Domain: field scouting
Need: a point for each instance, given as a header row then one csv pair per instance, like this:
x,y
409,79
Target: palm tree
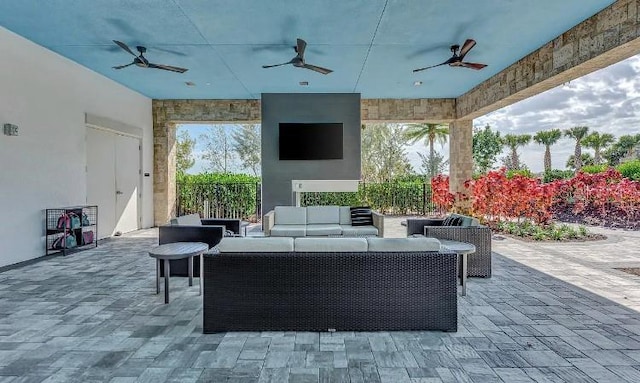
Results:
x,y
577,133
598,142
513,142
430,133
547,138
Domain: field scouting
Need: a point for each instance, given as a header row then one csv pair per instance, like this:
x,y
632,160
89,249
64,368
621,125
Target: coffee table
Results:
x,y
463,249
172,251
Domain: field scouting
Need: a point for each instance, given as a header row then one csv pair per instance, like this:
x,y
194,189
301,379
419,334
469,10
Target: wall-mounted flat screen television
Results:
x,y
317,141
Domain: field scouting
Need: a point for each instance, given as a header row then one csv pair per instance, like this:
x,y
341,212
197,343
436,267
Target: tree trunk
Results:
x,y
432,169
515,161
597,157
577,156
547,159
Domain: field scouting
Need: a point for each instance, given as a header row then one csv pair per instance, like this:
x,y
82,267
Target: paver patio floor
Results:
x,y
94,316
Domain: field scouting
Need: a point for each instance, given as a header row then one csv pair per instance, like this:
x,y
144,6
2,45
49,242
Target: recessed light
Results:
x,y
417,83
208,83
304,83
190,83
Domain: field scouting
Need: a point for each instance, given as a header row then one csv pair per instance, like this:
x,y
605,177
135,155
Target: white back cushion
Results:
x,y
404,244
345,215
189,220
323,214
290,215
329,245
256,244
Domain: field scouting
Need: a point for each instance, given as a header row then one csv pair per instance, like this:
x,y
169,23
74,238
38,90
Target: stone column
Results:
x,y
460,159
164,171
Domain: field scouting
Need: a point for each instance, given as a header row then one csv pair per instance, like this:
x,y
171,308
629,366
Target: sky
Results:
x,y
607,101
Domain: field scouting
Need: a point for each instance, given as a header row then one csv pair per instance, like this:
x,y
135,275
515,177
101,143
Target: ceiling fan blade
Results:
x,y
475,66
167,67
466,47
123,66
318,69
432,66
275,65
301,46
125,47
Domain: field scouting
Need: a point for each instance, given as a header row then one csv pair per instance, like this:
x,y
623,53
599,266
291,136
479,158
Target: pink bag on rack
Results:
x,y
64,221
87,237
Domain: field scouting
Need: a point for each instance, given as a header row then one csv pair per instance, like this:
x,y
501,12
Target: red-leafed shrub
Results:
x,y
441,196
603,198
498,198
596,197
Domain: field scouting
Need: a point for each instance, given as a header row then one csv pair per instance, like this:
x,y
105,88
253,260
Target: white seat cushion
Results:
x,y
359,231
289,230
345,215
404,244
290,215
188,220
323,214
255,244
328,245
324,229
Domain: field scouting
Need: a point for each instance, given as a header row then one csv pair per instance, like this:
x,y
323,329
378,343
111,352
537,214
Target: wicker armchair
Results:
x,y
480,262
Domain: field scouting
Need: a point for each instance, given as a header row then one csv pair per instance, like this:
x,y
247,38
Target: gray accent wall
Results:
x,y
306,108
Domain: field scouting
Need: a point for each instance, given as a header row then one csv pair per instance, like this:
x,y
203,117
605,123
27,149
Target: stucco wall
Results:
x,y
47,96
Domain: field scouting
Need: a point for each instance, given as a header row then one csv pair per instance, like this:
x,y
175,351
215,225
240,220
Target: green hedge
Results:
x,y
227,195
556,174
389,198
237,196
630,169
594,169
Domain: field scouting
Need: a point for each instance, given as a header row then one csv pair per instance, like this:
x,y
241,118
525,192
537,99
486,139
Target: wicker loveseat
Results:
x,y
326,284
470,231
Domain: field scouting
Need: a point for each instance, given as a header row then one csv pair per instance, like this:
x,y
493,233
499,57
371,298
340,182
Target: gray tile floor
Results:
x,y
94,317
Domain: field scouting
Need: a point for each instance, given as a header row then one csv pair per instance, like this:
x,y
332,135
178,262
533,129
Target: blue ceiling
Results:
x,y
372,45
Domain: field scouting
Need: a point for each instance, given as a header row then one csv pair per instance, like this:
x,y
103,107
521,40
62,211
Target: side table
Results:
x,y
463,249
172,251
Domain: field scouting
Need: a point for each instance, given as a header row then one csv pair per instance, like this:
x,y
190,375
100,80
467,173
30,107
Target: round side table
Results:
x,y
172,251
463,249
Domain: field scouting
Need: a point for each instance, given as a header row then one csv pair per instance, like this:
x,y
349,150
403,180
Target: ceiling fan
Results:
x,y
142,61
456,59
298,60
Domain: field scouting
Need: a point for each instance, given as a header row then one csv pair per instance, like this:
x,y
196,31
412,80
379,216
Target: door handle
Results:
x,y
118,192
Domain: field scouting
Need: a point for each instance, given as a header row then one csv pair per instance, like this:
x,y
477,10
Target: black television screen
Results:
x,y
319,141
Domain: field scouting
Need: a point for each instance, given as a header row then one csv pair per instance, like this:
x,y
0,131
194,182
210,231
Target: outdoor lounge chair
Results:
x,y
471,231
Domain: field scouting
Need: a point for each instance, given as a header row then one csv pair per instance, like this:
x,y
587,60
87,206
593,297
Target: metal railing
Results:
x,y
243,200
220,200
391,198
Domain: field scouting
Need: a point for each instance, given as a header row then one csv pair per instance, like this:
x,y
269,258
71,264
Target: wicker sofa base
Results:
x,y
298,291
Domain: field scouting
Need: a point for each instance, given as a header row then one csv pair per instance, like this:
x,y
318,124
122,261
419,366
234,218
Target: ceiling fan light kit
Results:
x,y
298,60
142,61
457,57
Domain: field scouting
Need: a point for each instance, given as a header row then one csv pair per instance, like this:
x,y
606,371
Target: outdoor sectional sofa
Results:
x,y
329,284
292,221
470,230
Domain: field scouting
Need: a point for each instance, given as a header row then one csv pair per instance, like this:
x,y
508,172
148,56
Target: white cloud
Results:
x,y
607,101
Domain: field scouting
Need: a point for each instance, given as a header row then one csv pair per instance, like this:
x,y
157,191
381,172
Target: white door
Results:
x,y
113,163
101,175
127,183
